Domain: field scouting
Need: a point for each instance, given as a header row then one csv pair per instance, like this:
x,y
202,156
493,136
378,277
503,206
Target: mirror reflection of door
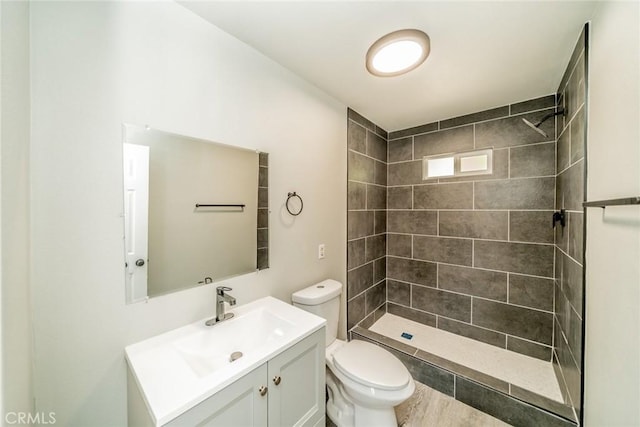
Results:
x,y
136,219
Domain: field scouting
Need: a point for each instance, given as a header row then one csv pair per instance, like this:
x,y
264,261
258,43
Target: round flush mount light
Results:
x,y
398,53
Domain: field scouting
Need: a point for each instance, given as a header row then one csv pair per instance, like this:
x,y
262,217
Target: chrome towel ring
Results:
x,y
289,196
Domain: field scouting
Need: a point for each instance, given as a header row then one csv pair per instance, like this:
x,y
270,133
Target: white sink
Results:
x,y
179,369
209,350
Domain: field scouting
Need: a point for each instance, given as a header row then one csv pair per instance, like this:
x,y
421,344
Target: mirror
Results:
x,y
195,212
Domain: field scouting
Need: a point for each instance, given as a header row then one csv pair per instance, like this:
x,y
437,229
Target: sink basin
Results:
x,y
177,370
207,351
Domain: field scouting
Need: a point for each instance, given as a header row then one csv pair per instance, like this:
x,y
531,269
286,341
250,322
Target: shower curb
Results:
x,y
481,391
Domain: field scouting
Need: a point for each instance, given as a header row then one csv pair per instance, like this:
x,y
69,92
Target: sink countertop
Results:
x,y
177,370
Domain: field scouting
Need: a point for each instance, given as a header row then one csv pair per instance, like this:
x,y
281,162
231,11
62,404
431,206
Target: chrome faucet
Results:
x,y
221,298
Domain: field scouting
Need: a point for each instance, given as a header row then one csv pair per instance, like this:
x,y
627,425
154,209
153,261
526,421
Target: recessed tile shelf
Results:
x,y
495,396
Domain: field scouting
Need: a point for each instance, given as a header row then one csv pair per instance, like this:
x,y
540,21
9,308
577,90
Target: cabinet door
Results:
x,y
239,404
297,383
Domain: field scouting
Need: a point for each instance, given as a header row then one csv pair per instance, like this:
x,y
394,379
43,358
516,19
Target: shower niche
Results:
x,y
473,260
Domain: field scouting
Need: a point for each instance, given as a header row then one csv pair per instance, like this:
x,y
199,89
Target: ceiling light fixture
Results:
x,y
398,53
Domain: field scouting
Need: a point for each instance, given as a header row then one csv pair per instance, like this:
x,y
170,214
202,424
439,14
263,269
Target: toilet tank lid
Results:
x,y
318,293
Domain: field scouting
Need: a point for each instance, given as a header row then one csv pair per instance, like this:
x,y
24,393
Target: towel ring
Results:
x,y
289,196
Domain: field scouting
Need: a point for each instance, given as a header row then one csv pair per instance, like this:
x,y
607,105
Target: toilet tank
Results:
x,y
322,299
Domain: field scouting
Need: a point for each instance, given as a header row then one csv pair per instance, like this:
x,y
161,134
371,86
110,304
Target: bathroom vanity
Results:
x,y
263,367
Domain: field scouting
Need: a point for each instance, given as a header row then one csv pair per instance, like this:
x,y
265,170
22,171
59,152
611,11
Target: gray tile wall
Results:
x,y
475,255
366,220
570,185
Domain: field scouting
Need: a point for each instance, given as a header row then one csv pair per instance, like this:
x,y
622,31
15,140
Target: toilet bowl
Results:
x,y
364,381
370,379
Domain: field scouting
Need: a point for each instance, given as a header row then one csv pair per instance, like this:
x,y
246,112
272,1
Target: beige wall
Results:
x,y
96,65
612,355
17,390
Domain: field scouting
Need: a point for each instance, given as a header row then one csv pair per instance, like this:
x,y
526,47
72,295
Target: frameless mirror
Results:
x,y
191,212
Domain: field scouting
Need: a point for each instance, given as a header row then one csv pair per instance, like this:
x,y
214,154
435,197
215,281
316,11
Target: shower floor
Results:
x,y
516,369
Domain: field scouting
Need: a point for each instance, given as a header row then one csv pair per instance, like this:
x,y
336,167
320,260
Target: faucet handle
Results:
x,y
222,289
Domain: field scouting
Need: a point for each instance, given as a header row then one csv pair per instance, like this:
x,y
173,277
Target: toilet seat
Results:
x,y
371,365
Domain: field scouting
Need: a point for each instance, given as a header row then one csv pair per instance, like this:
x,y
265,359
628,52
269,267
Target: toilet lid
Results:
x,y
371,365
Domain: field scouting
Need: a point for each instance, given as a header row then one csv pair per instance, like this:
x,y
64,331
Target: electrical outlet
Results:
x,y
321,251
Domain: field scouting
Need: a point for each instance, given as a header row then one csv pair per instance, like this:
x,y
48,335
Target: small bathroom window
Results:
x,y
439,166
477,162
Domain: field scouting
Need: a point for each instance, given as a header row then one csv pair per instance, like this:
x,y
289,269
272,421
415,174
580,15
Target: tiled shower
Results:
x,y
476,256
569,243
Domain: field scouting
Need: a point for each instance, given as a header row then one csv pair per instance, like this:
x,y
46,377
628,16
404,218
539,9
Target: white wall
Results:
x,y
96,65
612,356
17,391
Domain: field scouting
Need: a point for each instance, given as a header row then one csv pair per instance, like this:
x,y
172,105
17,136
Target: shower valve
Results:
x,y
559,216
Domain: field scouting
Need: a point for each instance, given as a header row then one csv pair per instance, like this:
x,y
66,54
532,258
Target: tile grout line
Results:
x,y
367,183
414,159
470,295
413,195
471,210
459,180
454,385
438,128
410,295
515,242
570,165
439,316
473,196
412,236
366,197
466,266
473,253
413,149
474,136
366,155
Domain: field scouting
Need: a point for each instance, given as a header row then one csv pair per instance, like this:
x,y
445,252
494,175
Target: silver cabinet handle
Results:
x,y
277,379
140,262
262,390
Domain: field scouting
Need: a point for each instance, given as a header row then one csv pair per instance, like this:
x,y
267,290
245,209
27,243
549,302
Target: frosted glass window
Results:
x,y
443,166
473,163
477,162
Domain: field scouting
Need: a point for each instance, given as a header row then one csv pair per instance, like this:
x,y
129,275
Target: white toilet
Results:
x,y
364,381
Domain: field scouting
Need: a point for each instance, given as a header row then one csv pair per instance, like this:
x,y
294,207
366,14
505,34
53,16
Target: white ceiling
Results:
x,y
483,54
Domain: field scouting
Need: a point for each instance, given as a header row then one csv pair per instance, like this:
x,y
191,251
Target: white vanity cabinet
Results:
x,y
239,404
185,376
287,390
297,384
